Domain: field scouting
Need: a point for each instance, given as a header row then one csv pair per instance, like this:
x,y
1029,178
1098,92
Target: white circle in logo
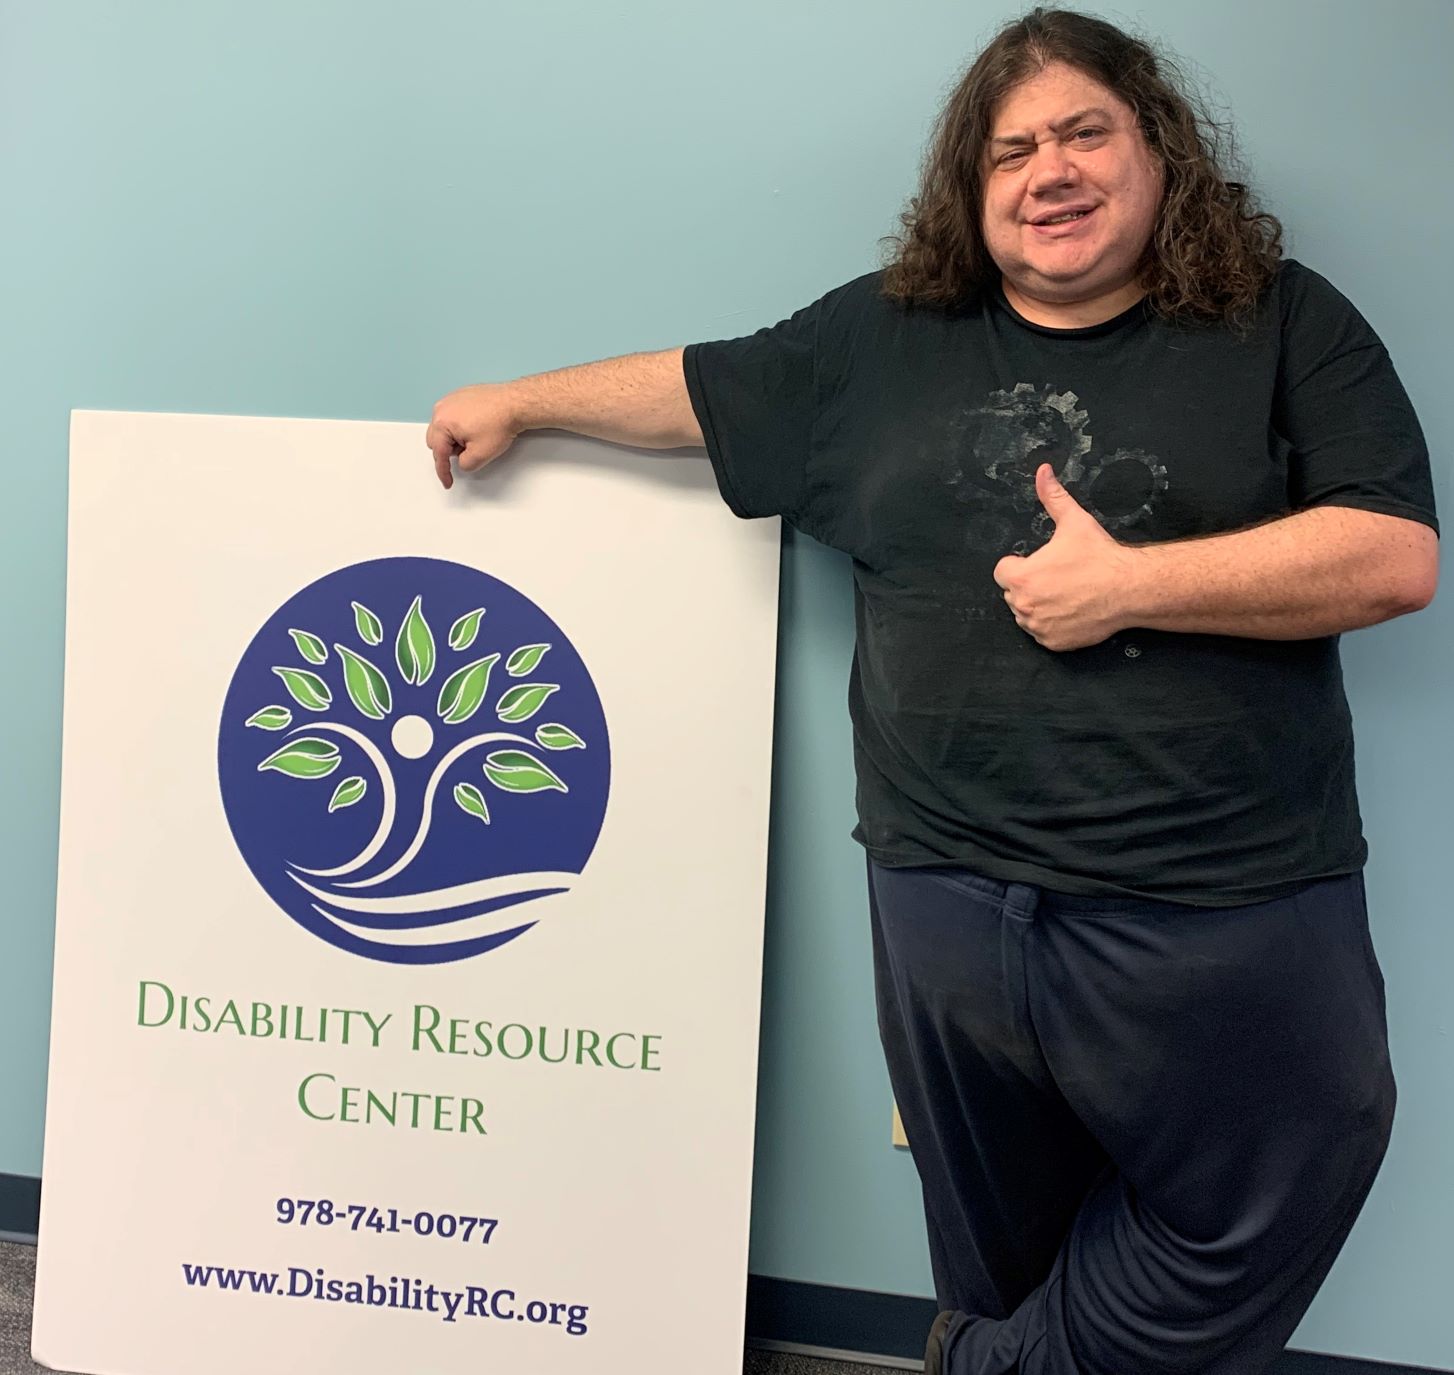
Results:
x,y
412,736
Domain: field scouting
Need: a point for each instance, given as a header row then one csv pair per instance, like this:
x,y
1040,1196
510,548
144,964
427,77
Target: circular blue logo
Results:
x,y
409,751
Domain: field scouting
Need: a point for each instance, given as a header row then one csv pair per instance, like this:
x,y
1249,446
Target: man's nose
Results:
x,y
1050,167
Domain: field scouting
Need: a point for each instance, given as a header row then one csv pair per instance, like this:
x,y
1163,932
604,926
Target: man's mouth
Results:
x,y
1063,222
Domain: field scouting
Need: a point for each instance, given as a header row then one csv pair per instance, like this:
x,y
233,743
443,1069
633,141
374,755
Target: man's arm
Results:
x,y
1318,572
640,399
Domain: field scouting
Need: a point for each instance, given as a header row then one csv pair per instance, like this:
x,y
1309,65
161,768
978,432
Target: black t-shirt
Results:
x,y
1204,769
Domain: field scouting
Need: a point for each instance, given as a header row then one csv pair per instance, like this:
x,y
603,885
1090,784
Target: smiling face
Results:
x,y
1061,144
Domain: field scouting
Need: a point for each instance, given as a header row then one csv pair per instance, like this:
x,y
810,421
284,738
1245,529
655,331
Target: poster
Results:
x,y
409,922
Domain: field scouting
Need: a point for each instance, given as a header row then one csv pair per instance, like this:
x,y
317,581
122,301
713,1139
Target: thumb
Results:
x,y
1058,503
478,452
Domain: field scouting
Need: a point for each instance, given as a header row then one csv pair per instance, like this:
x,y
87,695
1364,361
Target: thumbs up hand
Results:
x,y
1069,593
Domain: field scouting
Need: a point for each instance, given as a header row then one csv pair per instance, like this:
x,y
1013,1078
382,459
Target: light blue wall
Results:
x,y
322,208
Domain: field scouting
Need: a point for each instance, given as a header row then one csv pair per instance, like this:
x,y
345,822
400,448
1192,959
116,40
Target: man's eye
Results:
x,y
1088,132
1011,157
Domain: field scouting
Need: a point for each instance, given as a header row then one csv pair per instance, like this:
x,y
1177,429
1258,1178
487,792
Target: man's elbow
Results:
x,y
1419,575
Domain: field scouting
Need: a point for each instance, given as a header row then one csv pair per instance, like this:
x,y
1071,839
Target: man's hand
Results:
x,y
473,424
1069,593
639,400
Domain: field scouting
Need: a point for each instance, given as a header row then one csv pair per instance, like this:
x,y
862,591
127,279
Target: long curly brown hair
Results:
x,y
1212,251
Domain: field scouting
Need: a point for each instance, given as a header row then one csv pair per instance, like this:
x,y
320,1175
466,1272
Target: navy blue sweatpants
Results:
x,y
1143,1129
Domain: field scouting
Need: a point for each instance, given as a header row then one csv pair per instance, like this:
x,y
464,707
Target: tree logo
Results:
x,y
409,751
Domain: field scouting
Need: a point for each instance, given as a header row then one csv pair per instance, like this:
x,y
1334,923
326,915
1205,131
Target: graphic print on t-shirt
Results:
x,y
1016,431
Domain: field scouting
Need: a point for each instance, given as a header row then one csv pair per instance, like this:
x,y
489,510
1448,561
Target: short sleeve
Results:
x,y
764,402
1354,437
756,399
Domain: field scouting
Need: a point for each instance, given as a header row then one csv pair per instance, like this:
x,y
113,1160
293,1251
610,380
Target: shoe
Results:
x,y
934,1352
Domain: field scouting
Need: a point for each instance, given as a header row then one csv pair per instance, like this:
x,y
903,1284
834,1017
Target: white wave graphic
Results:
x,y
466,928
442,899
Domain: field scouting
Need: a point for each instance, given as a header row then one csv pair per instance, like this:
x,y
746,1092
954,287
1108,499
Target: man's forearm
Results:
x,y
1319,572
639,399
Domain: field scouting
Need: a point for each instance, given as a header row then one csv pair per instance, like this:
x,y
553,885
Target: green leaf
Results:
x,y
464,690
554,736
462,633
368,688
307,689
370,630
309,646
306,757
524,660
348,792
472,800
414,648
521,703
517,772
271,718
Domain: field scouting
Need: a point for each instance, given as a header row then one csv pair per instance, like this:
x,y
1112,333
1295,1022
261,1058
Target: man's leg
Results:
x,y
1003,1161
1234,1064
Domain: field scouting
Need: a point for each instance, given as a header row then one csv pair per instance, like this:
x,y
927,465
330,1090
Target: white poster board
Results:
x,y
409,924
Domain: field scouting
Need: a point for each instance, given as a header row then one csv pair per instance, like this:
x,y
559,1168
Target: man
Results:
x,y
1113,477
